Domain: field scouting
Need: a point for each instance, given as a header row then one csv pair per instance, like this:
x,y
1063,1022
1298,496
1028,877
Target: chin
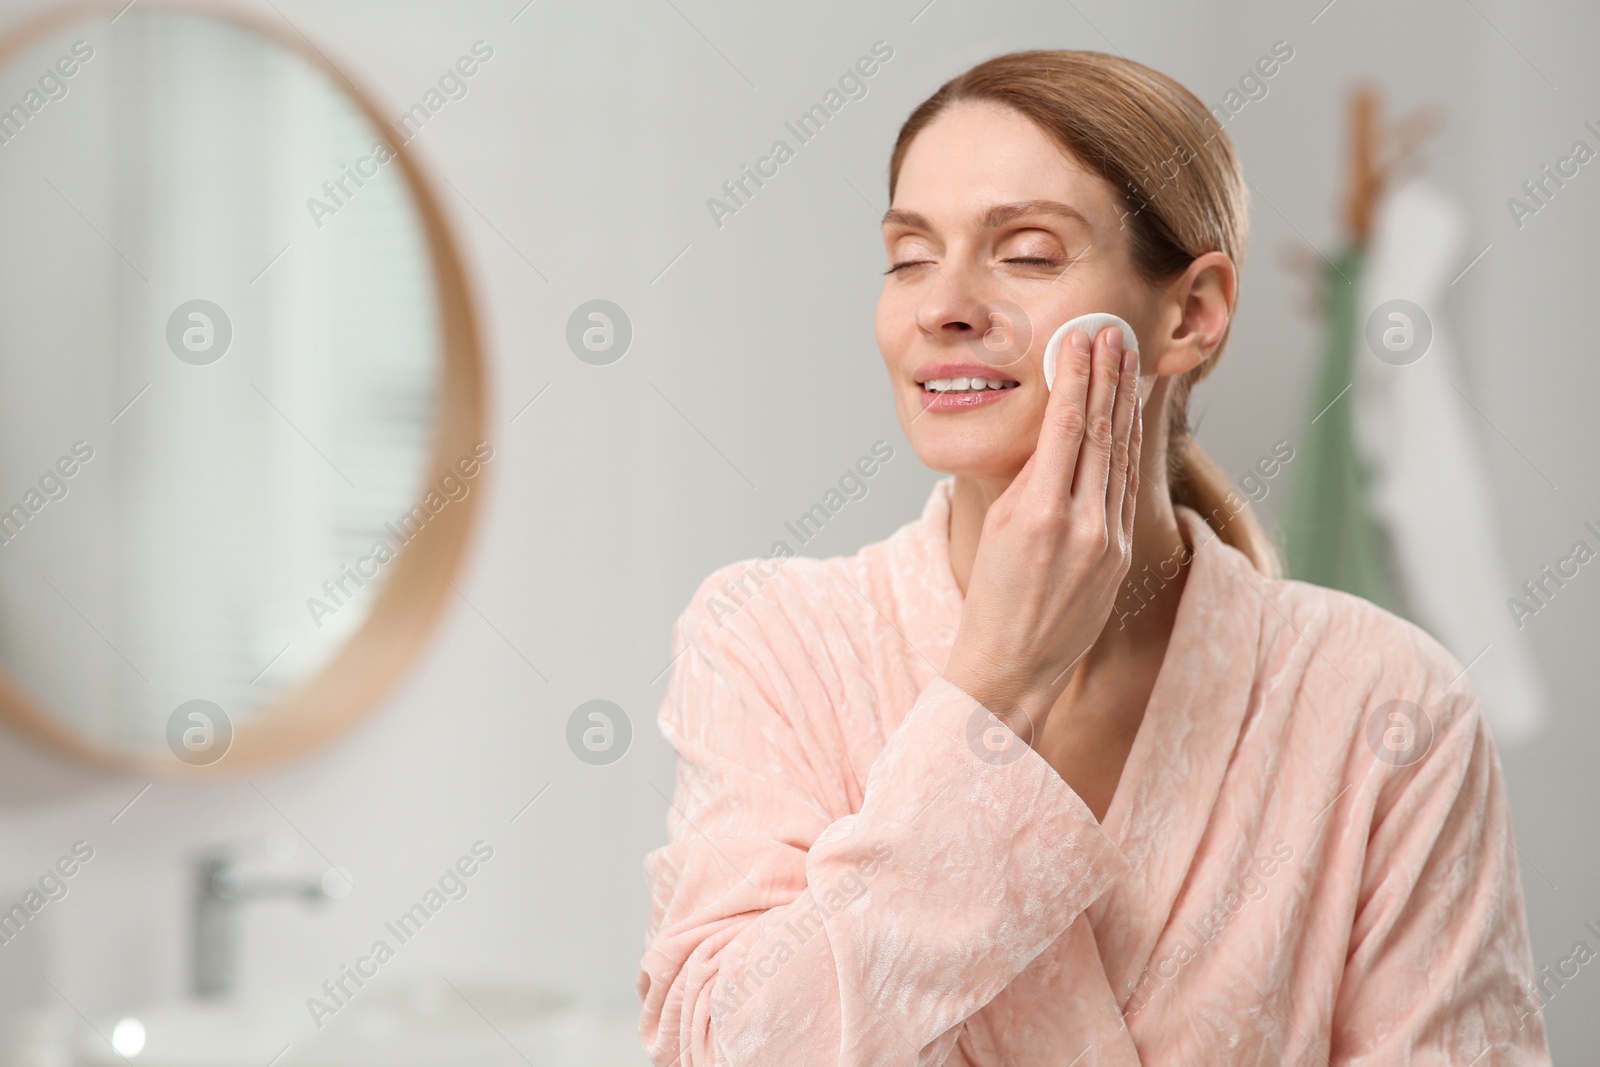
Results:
x,y
993,453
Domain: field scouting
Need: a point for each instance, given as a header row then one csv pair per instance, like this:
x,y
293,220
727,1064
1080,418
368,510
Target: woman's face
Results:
x,y
995,238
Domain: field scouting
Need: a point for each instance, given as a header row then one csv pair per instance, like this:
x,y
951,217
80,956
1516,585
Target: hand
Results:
x,y
1057,543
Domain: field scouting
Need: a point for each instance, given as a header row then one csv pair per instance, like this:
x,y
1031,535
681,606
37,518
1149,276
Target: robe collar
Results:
x,y
1173,776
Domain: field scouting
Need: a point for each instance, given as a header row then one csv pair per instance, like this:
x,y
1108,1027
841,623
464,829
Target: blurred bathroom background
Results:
x,y
229,370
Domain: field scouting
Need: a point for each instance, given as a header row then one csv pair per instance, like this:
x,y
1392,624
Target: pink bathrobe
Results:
x,y
1308,859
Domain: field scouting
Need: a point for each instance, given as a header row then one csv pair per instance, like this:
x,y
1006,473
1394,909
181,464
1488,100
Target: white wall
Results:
x,y
584,153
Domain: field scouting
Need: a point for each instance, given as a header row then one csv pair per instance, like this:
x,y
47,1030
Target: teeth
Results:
x,y
964,385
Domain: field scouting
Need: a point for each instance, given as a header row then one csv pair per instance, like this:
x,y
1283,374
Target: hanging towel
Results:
x,y
1416,434
1333,539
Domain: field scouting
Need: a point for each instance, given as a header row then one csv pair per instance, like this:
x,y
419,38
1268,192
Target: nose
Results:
x,y
964,307
951,307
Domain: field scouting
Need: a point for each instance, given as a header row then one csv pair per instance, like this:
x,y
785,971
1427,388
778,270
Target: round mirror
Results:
x,y
240,392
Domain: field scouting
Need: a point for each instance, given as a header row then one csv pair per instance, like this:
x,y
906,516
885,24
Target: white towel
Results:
x,y
1418,437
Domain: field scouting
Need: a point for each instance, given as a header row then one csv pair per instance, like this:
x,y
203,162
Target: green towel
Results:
x,y
1332,539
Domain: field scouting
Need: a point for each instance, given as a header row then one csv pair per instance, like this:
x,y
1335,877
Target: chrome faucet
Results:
x,y
218,893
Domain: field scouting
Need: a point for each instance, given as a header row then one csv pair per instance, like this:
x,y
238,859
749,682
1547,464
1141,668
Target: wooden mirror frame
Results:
x,y
368,666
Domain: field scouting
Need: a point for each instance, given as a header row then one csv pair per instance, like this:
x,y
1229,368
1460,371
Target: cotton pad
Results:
x,y
1090,324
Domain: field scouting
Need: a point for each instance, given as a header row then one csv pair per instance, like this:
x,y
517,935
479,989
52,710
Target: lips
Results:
x,y
932,401
962,386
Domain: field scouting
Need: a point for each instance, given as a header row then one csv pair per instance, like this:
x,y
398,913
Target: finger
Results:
x,y
1062,432
1121,428
1094,457
1136,440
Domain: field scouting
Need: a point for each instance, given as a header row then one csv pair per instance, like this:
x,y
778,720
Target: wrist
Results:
x,y
1020,703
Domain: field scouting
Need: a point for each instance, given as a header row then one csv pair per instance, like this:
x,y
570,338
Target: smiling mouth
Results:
x,y
942,386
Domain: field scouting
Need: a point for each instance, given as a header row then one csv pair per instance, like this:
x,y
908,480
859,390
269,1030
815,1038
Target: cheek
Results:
x,y
894,323
880,329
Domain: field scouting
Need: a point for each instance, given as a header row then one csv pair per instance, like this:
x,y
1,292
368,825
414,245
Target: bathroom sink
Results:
x,y
423,1024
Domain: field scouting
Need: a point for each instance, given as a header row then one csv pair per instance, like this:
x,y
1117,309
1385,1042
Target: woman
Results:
x,y
1027,782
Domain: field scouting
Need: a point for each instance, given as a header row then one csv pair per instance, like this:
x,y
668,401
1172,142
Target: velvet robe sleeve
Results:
x,y
786,928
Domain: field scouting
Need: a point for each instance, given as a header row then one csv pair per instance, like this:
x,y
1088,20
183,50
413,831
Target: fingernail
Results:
x,y
1114,337
1080,341
1130,362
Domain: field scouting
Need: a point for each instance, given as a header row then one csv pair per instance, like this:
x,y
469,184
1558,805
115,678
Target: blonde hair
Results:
x,y
1170,162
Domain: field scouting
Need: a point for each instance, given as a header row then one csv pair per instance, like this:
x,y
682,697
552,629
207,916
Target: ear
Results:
x,y
1199,305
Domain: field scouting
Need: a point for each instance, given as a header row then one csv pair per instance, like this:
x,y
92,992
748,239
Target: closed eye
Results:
x,y
1035,261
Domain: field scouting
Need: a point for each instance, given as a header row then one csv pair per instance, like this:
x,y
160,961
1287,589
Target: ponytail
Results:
x,y
1199,483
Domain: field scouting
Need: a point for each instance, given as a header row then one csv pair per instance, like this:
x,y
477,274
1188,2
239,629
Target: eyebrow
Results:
x,y
995,217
